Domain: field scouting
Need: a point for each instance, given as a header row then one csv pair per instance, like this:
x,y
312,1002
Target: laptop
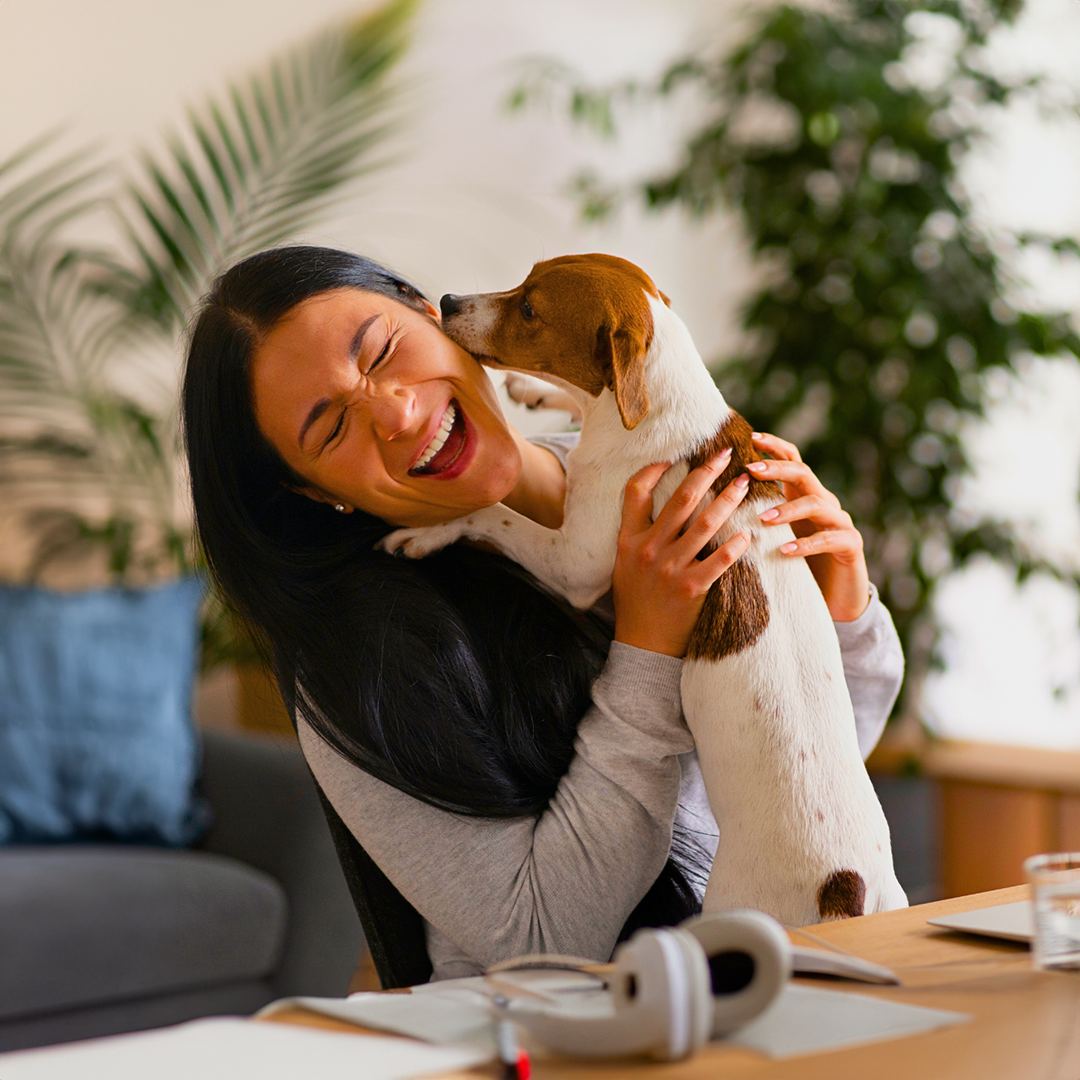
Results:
x,y
1013,922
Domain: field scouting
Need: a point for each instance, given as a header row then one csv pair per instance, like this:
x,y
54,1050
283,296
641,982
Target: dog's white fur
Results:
x,y
773,723
535,393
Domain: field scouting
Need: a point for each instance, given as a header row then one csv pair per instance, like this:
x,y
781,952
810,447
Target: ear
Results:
x,y
620,355
316,495
663,296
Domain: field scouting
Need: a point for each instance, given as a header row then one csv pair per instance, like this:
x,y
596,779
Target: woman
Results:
x,y
518,770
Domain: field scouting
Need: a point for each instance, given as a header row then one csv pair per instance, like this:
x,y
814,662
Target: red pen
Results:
x,y
515,1061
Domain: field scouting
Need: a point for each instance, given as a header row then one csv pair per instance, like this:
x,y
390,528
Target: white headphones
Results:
x,y
673,989
749,957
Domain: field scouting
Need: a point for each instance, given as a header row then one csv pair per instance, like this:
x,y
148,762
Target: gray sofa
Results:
x,y
98,939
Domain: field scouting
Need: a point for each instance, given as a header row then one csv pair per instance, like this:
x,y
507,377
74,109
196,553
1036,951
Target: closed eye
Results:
x,y
382,356
337,430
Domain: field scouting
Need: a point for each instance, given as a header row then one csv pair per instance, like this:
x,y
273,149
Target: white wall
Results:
x,y
478,195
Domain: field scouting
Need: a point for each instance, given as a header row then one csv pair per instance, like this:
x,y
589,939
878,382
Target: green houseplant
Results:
x,y
882,303
90,454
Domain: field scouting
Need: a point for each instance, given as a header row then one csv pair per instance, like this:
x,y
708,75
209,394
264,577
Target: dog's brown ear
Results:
x,y
663,296
621,356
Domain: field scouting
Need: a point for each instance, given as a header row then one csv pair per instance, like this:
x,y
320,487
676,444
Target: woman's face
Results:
x,y
377,409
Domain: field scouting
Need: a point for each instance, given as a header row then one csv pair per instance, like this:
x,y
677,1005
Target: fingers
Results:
x,y
777,447
637,499
678,510
843,544
823,512
793,474
710,519
709,570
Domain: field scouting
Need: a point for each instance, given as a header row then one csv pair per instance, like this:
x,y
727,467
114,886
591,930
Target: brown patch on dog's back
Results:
x,y
735,614
843,896
736,611
735,432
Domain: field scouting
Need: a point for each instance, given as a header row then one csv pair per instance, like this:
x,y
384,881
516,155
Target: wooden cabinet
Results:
x,y
999,804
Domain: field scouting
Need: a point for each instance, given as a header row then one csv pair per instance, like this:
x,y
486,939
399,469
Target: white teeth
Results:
x,y
441,436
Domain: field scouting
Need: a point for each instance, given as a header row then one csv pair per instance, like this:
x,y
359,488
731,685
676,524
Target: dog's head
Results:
x,y
583,319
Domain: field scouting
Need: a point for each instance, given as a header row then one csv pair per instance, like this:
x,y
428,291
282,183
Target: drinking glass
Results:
x,y
1055,883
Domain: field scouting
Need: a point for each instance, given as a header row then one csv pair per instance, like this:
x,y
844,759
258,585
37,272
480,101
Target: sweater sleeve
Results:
x,y
873,668
565,881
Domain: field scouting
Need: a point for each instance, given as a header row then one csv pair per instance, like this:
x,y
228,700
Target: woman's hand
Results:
x,y
828,539
659,585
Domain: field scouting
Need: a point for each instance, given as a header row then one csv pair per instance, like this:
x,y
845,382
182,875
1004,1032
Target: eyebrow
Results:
x,y
323,404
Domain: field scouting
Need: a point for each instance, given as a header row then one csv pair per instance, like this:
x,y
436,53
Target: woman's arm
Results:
x,y
564,882
873,669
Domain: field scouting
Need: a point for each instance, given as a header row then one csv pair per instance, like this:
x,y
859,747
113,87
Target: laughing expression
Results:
x,y
378,410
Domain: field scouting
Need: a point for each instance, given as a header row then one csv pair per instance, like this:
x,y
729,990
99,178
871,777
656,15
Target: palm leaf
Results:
x,y
52,336
83,461
254,168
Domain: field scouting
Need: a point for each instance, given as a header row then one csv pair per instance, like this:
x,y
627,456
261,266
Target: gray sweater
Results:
x,y
567,881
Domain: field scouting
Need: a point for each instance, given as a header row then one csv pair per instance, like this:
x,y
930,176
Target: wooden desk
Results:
x,y
1026,1026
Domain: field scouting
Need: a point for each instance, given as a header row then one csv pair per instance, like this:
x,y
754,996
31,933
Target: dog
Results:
x,y
802,834
535,393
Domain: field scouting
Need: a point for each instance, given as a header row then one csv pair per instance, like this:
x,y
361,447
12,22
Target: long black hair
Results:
x,y
454,678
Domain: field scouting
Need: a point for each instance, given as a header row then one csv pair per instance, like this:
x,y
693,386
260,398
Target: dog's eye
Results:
x,y
526,309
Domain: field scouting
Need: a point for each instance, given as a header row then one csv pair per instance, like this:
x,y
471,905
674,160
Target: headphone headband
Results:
x,y
673,988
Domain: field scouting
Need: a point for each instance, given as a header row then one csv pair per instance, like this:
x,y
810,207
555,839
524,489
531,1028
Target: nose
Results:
x,y
450,305
393,413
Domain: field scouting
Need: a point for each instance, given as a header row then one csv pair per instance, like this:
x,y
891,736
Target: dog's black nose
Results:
x,y
450,305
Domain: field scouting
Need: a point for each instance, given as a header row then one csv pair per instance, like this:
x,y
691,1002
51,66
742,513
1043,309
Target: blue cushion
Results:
x,y
96,736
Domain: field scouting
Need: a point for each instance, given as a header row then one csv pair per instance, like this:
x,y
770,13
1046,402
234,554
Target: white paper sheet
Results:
x,y
458,1011
806,1020
458,1017
802,1020
227,1049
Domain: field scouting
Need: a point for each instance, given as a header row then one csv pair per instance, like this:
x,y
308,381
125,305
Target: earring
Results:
x,y
339,507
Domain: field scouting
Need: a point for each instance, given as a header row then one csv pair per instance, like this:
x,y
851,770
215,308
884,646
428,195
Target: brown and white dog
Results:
x,y
802,835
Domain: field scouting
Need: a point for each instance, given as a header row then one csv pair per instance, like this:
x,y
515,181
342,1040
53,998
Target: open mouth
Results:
x,y
446,448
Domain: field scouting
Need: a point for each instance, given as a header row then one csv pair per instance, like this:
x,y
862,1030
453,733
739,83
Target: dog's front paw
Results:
x,y
534,393
421,541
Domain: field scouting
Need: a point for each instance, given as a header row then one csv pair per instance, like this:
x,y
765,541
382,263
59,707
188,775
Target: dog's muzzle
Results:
x,y
450,305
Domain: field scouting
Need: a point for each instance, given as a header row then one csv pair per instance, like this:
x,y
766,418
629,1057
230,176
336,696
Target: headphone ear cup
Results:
x,y
701,999
749,962
663,1004
669,976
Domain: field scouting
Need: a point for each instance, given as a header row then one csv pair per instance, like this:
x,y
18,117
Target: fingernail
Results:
x,y
756,466
787,549
769,514
756,435
742,480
